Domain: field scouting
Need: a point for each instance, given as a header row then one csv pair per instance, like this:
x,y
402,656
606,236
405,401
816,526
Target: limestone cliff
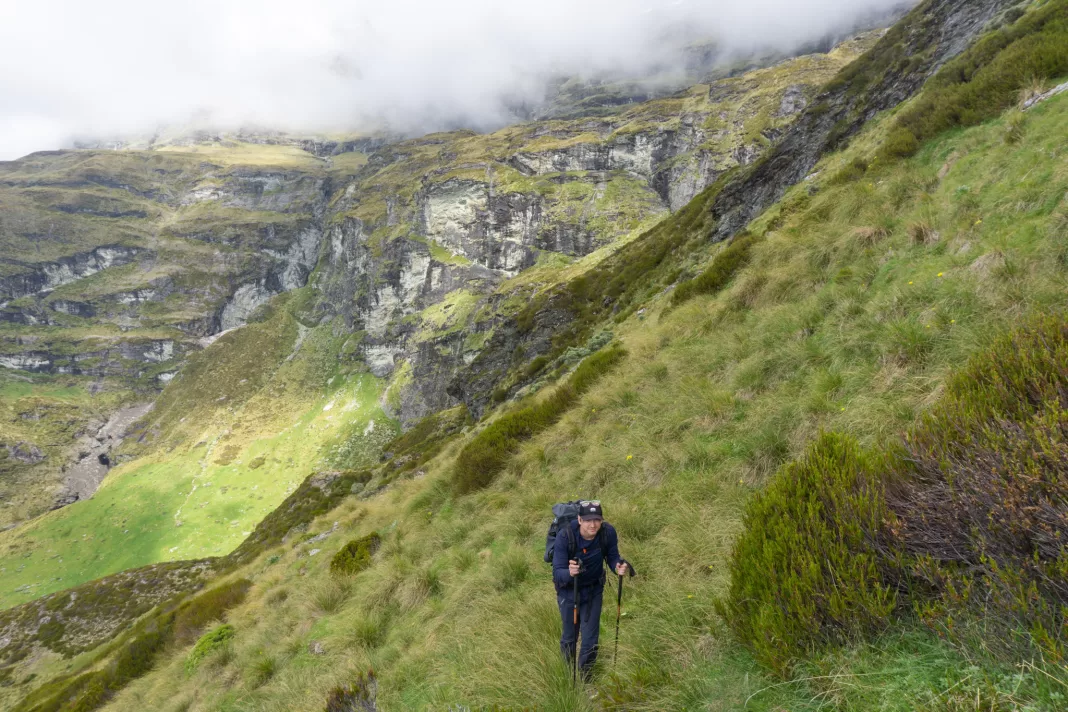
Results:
x,y
119,264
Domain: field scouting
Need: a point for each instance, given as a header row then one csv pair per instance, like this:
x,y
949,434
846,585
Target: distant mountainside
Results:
x,y
281,417
119,264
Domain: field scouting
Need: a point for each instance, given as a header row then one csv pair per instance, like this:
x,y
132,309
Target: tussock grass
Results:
x,y
845,336
329,596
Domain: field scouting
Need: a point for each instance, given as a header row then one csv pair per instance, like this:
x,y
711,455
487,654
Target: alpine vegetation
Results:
x,y
730,377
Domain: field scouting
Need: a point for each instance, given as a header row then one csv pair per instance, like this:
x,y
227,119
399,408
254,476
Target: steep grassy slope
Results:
x,y
860,295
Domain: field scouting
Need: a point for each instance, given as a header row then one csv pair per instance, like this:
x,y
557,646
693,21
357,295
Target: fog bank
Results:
x,y
118,67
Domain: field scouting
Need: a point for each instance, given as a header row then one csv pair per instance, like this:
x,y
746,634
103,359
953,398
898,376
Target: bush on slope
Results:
x,y
981,497
483,458
967,519
804,573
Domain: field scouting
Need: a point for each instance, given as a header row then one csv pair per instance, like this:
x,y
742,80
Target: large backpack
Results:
x,y
563,514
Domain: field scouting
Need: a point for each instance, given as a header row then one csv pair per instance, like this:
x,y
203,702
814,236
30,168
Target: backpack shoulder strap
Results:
x,y
572,547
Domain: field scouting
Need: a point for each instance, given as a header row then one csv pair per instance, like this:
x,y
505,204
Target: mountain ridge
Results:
x,y
831,239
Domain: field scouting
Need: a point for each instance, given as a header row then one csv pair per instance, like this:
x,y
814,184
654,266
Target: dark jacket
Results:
x,y
592,578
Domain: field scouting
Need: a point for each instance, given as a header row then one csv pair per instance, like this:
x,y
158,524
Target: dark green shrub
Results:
x,y
593,368
901,143
803,573
355,556
854,170
535,366
488,452
136,658
192,615
486,455
92,697
208,644
730,259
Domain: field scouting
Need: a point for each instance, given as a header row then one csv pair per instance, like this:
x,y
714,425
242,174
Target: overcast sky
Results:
x,y
119,67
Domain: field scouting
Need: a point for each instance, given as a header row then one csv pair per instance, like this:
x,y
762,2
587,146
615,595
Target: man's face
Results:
x,y
589,527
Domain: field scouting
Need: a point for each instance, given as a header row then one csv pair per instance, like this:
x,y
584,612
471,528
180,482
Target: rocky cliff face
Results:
x,y
119,264
472,223
115,266
192,252
892,71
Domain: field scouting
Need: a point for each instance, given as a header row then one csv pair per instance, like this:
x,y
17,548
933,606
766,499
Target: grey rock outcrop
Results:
x,y
935,31
37,278
92,456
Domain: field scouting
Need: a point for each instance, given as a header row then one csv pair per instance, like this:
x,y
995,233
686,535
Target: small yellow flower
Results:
x,y
630,457
952,321
978,222
594,410
928,326
941,273
741,482
843,410
690,596
910,282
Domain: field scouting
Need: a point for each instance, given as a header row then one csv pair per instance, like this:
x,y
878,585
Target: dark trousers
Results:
x,y
589,626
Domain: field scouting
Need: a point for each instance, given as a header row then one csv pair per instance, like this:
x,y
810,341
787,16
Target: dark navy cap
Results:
x,y
590,510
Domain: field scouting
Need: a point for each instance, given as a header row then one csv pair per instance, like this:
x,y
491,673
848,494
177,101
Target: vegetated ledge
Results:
x,y
888,74
81,618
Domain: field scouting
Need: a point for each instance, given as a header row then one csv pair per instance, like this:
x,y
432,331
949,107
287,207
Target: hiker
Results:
x,y
595,544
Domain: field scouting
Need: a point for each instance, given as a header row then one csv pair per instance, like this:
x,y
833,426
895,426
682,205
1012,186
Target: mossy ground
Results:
x,y
847,317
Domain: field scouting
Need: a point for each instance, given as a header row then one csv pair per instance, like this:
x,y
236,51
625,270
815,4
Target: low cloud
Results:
x,y
119,67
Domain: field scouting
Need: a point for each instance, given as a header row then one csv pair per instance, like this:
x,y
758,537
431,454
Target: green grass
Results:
x,y
199,497
45,412
988,78
840,321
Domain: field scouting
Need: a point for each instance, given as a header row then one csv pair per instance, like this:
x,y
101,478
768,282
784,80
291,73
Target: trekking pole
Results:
x,y
575,620
619,612
619,608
